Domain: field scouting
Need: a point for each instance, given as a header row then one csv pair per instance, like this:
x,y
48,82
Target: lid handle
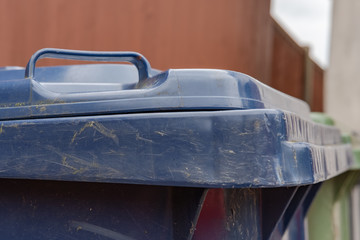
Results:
x,y
135,58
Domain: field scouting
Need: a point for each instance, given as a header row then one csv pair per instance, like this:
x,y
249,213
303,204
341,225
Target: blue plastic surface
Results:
x,y
104,89
246,148
108,125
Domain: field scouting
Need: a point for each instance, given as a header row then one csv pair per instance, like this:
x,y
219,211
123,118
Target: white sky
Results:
x,y
308,22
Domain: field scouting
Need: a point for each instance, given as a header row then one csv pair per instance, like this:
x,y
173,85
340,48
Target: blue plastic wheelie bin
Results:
x,y
119,151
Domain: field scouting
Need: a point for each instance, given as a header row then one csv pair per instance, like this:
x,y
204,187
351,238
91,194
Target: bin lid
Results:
x,y
119,88
187,127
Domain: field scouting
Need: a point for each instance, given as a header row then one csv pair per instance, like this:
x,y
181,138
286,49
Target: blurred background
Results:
x,y
307,49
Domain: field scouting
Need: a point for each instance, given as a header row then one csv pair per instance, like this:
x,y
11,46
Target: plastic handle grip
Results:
x,y
135,58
